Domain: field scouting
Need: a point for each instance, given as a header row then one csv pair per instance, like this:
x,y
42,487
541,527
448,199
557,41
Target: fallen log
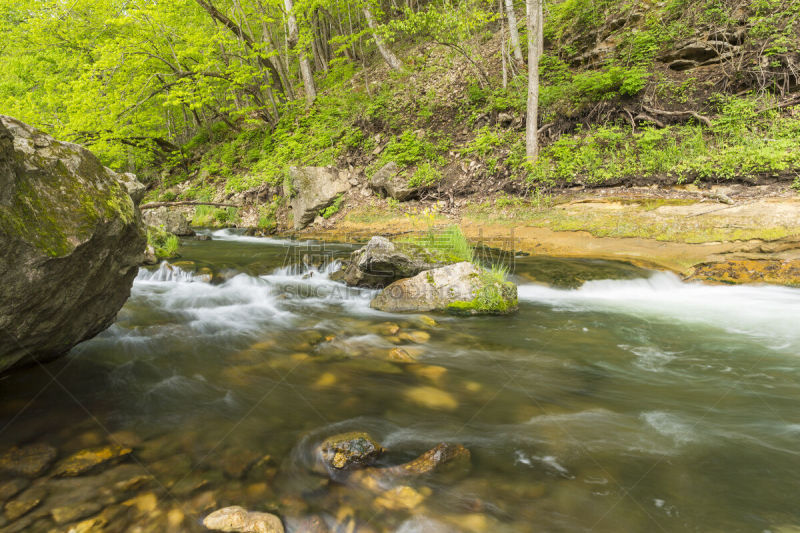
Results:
x,y
698,116
153,205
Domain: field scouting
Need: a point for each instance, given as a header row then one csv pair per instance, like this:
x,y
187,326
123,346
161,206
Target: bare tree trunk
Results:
x,y
513,30
534,26
305,66
387,54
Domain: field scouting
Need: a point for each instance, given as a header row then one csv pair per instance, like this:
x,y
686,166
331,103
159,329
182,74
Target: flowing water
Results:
x,y
616,399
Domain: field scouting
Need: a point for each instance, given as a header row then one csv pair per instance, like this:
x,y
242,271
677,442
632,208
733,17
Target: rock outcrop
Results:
x,y
72,240
389,182
461,288
312,189
170,220
380,263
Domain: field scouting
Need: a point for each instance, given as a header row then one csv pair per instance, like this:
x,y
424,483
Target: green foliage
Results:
x,y
426,175
447,245
267,215
164,243
742,142
206,216
334,208
494,295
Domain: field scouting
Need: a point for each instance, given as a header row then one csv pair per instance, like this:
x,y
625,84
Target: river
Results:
x,y
616,399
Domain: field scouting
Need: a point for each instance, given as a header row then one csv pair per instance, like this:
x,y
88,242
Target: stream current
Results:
x,y
616,399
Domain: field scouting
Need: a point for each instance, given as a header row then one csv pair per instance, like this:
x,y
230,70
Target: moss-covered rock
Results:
x,y
72,239
462,288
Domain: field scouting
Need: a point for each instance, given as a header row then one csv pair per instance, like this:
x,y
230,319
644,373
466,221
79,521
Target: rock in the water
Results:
x,y
390,182
170,220
382,262
72,241
349,450
71,513
432,398
12,487
402,498
29,460
312,189
461,288
241,520
85,460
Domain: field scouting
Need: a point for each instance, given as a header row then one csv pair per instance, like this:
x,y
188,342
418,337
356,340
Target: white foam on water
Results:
x,y
650,358
769,313
235,236
241,304
671,426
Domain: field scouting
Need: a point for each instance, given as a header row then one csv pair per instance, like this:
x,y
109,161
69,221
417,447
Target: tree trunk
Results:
x,y
534,26
513,30
305,65
387,54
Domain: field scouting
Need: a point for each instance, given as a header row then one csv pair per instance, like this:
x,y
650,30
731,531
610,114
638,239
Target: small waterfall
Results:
x,y
169,273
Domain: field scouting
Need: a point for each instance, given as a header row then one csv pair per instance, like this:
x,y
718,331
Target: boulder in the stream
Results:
x,y
382,262
239,519
170,220
390,181
312,189
72,240
348,450
461,288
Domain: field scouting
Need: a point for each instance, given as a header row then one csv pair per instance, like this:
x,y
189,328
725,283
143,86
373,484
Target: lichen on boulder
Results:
x,y
72,239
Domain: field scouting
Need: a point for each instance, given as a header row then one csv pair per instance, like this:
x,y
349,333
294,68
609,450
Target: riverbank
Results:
x,y
731,234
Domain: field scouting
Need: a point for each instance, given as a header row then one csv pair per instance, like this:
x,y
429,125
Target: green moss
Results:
x,y
53,210
164,243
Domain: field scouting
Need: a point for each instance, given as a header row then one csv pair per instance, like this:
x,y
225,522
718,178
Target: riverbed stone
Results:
x,y
432,398
416,336
72,240
312,189
399,355
24,503
71,513
455,288
239,519
9,489
402,498
348,450
84,461
30,460
381,262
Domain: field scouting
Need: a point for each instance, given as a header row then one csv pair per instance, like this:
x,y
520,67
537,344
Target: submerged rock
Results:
x,y
348,450
241,520
432,398
461,288
85,460
72,240
382,262
170,220
312,189
29,460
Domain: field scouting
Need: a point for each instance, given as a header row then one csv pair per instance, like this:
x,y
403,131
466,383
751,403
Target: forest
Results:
x,y
206,99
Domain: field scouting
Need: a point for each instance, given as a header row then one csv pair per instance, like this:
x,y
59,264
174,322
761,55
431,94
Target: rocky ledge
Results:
x,y
72,239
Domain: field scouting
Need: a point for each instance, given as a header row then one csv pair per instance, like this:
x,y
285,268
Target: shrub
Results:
x,y
425,176
332,209
164,243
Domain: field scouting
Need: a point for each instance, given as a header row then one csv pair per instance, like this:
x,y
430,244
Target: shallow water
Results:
x,y
617,399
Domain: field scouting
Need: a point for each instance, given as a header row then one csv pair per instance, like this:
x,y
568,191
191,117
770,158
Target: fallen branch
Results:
x,y
698,116
153,205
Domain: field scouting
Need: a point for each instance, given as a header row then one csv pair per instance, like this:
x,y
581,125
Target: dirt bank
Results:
x,y
729,235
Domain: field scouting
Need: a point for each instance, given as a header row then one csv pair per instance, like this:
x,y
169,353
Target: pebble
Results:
x,y
432,398
402,498
238,519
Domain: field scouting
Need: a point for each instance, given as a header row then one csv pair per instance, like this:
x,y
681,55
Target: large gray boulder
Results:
x,y
461,288
382,262
171,220
389,181
72,240
312,189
